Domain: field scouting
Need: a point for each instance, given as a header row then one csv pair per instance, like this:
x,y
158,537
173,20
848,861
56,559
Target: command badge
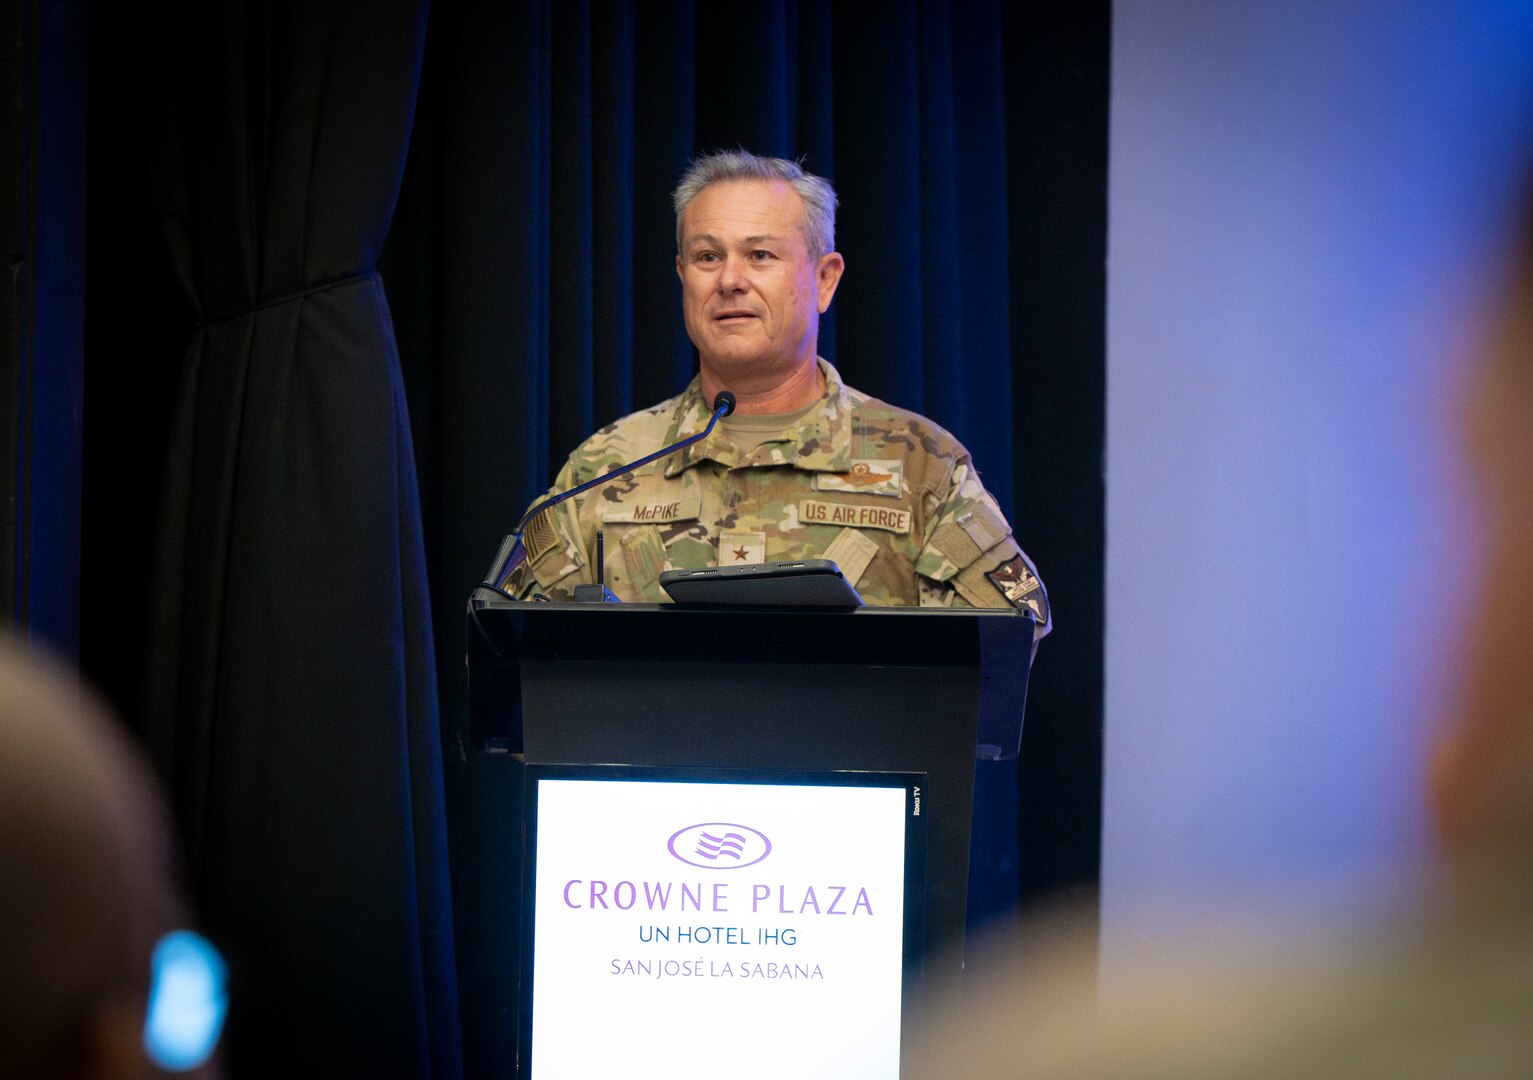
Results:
x,y
867,476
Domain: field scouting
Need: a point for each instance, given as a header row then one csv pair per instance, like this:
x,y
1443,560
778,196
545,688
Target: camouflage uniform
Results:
x,y
887,494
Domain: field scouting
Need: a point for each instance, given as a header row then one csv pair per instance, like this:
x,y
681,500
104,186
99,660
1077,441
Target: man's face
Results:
x,y
751,292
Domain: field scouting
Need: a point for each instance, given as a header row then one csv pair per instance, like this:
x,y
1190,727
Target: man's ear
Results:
x,y
828,276
678,266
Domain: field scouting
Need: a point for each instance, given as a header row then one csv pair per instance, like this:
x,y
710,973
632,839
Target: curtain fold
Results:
x,y
291,677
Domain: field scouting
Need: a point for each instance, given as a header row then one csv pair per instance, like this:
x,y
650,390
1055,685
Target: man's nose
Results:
x,y
732,275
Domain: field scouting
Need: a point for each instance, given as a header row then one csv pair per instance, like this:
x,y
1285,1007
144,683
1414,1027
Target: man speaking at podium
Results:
x,y
806,467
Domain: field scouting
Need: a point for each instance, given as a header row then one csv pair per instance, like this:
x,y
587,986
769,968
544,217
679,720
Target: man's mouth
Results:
x,y
733,314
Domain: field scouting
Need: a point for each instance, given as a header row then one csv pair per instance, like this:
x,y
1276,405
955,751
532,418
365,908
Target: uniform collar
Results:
x,y
819,442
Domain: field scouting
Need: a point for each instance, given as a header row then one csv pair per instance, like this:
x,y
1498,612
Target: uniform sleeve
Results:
x,y
970,558
556,560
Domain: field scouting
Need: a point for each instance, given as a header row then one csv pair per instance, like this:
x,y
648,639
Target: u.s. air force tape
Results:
x,y
889,518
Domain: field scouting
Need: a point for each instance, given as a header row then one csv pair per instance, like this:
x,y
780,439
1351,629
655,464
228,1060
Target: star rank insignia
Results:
x,y
1021,588
738,546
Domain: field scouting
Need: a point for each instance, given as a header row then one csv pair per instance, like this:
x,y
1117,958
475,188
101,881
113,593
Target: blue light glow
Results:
x,y
187,1001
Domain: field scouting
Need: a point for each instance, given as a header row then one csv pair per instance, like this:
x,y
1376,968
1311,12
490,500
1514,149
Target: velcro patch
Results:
x,y
956,546
1021,588
644,559
985,524
851,552
867,476
888,518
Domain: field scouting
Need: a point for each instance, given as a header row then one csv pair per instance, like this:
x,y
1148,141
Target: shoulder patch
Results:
x,y
1020,586
540,537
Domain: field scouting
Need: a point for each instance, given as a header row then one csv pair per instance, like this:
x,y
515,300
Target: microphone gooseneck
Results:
x,y
513,551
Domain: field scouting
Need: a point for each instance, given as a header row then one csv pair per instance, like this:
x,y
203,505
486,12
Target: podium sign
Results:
x,y
699,923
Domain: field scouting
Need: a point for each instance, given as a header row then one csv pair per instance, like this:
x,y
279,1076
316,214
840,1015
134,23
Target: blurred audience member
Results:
x,y
1446,990
98,978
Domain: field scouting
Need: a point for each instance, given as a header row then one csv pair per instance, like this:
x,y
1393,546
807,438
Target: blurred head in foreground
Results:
x,y
1482,782
88,905
1445,988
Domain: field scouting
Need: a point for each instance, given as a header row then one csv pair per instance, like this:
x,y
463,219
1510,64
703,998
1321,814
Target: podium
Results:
x,y
903,690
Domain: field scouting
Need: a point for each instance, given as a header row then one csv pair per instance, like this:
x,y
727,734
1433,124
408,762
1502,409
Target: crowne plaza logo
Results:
x,y
719,845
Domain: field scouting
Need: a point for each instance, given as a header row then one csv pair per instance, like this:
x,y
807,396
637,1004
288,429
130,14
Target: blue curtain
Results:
x,y
530,266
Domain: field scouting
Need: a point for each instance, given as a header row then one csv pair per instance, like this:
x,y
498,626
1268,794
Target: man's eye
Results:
x,y
761,256
706,257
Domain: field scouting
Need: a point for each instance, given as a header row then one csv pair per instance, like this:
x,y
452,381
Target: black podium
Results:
x,y
870,689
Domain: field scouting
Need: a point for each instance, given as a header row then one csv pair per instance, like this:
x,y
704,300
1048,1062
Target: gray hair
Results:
x,y
722,166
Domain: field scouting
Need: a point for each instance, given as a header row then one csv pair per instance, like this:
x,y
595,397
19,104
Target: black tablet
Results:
x,y
791,583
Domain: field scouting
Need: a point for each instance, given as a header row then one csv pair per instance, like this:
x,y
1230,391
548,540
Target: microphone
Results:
x,y
512,551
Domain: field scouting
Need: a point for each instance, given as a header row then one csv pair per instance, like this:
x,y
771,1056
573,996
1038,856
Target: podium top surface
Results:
x,y
903,636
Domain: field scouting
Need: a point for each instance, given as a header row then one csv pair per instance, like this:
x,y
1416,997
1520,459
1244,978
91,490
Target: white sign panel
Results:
x,y
717,929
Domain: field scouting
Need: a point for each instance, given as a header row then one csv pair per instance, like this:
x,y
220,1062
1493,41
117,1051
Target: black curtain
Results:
x,y
291,691
531,266
529,269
